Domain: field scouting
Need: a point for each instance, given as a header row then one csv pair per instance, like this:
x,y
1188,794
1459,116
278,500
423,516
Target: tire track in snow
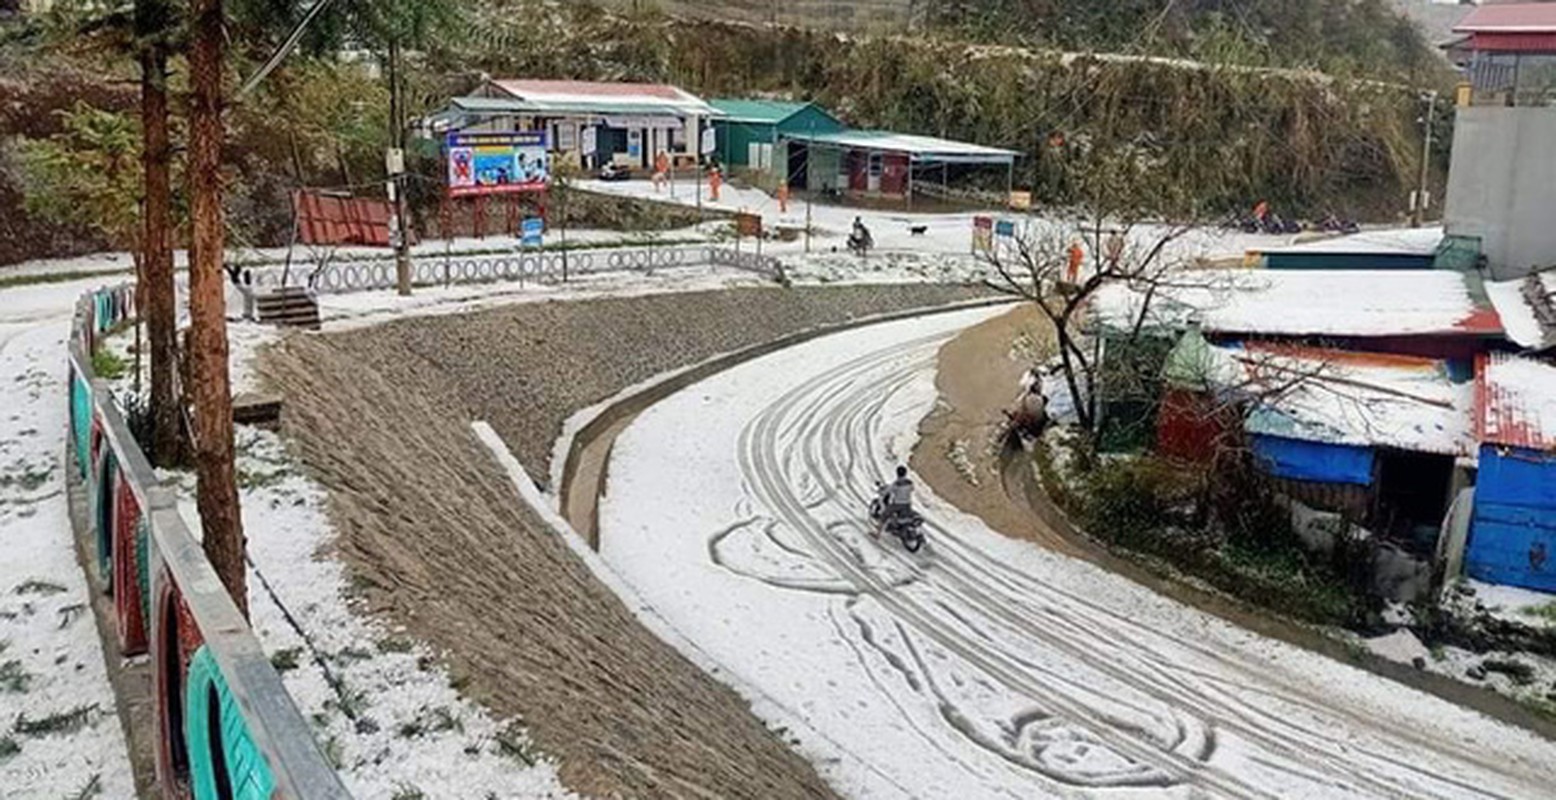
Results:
x,y
822,433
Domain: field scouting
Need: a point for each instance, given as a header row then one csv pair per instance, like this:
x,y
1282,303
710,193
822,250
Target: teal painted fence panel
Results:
x,y
247,773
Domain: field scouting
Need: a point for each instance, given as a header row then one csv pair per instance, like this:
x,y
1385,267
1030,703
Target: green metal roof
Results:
x,y
763,112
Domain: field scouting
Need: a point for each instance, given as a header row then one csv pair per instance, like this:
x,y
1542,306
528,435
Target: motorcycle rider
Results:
x,y
896,500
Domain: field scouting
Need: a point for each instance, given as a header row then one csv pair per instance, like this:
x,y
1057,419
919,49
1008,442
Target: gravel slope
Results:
x,y
435,538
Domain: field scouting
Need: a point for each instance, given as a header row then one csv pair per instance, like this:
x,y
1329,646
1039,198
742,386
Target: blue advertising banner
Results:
x,y
497,163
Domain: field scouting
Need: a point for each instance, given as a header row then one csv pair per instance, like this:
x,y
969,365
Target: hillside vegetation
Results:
x,y
1361,37
1195,137
1201,138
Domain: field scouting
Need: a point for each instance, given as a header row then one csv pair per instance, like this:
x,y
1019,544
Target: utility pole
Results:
x,y
810,146
1418,213
394,164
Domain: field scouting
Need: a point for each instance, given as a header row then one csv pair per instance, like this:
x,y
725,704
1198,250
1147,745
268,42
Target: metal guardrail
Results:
x,y
548,267
225,725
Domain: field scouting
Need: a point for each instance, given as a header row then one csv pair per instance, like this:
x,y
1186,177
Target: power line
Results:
x,y
285,49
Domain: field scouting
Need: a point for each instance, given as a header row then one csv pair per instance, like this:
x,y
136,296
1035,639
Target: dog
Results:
x,y
918,230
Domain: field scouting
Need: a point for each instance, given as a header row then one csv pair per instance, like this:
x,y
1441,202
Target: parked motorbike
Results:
x,y
909,528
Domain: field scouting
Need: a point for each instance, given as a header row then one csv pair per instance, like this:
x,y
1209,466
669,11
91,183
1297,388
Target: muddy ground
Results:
x,y
438,541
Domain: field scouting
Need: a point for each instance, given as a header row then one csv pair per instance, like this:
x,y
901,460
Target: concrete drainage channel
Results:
x,y
588,456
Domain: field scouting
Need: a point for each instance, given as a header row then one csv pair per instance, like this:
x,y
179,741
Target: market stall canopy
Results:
x,y
920,149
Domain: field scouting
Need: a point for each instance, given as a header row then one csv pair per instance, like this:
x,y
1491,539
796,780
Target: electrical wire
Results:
x,y
285,49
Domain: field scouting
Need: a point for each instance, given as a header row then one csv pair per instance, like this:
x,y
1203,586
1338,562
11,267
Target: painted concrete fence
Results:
x,y
550,267
225,725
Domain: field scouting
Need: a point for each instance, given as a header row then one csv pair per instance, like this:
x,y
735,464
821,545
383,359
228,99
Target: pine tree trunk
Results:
x,y
157,297
210,386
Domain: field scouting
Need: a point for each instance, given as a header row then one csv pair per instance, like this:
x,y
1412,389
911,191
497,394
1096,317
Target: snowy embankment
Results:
x,y
983,666
59,729
910,246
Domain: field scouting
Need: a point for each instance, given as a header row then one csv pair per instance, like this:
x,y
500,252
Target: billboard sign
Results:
x,y
497,163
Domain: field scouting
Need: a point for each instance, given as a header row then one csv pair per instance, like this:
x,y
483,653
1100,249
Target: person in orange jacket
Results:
x,y
1077,256
661,169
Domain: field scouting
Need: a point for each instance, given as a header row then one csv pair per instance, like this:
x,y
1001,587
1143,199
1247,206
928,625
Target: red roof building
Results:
x,y
1511,27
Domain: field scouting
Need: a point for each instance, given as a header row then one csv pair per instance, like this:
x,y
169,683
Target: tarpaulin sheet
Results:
x,y
1300,460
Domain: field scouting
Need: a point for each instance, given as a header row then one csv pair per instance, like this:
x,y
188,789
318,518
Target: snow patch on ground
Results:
x,y
384,709
51,659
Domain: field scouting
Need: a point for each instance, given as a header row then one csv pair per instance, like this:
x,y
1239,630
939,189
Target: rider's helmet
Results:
x,y
902,472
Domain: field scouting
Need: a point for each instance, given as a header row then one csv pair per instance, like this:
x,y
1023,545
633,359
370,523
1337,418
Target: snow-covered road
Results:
x,y
982,666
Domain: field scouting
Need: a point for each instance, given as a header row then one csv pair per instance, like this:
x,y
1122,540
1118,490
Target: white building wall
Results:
x,y
1502,186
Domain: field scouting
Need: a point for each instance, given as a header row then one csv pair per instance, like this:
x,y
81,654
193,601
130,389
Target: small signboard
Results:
x,y
983,234
1021,201
591,141
710,142
532,232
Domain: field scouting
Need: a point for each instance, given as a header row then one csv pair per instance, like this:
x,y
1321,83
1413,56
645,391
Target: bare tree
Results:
x,y
1061,270
210,385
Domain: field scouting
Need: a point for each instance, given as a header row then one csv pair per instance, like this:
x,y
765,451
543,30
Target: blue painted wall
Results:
x,y
1513,534
1300,460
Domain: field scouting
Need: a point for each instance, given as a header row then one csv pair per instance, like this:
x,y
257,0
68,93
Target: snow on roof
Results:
x,y
1303,303
1394,241
1527,307
1510,18
598,97
1350,398
920,147
1517,402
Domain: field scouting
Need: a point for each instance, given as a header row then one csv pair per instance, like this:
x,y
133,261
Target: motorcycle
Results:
x,y
909,528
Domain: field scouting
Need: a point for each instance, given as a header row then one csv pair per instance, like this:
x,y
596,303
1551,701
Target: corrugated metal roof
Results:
x,y
920,147
1352,398
1527,307
1353,303
1394,241
762,112
1517,401
603,98
1510,18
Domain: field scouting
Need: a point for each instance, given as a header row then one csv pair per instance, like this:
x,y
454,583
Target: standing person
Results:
x,y
661,170
715,181
1077,256
1115,248
783,197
